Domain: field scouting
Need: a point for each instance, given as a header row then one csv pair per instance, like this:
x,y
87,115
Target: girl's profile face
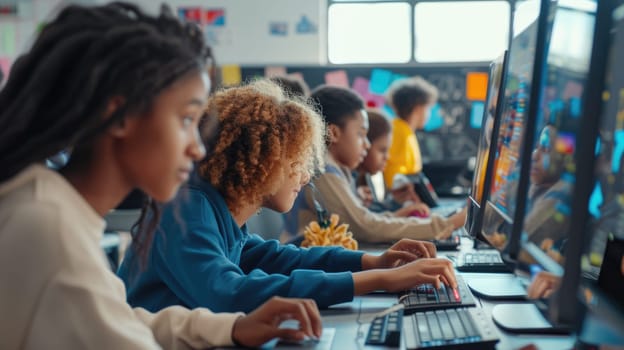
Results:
x,y
377,155
350,143
295,177
161,145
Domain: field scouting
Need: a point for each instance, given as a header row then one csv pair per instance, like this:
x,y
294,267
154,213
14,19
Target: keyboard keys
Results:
x,y
434,325
456,323
426,297
386,330
445,325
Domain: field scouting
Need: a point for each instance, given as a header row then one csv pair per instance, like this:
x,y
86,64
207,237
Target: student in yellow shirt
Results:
x,y
411,99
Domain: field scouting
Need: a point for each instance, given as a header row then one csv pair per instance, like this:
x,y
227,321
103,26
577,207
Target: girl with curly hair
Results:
x,y
267,148
123,92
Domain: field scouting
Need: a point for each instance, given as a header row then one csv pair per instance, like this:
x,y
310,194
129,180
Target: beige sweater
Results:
x,y
366,225
56,289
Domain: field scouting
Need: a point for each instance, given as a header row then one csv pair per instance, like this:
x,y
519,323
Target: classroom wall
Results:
x,y
285,32
291,32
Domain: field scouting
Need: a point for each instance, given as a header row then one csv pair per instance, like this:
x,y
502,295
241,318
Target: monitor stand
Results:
x,y
524,318
497,287
480,245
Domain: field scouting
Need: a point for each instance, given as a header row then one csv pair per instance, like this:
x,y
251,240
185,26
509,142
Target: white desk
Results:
x,y
349,335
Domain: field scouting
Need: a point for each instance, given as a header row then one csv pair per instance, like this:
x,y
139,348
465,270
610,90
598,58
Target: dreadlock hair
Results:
x,y
57,94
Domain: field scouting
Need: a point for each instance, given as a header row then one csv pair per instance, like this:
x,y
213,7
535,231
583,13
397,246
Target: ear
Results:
x,y
122,127
333,132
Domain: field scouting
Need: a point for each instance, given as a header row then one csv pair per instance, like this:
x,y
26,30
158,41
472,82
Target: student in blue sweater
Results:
x,y
266,150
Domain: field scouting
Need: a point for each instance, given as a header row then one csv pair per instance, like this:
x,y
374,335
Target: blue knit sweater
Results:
x,y
201,257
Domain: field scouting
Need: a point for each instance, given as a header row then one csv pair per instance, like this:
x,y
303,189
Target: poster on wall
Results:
x,y
261,32
213,22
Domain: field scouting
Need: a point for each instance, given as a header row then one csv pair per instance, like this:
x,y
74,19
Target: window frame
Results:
x,y
412,62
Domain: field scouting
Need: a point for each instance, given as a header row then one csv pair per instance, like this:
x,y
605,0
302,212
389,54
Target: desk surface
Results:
x,y
349,334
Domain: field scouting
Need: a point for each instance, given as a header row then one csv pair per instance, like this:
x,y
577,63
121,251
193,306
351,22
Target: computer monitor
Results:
x,y
595,250
487,145
524,74
552,219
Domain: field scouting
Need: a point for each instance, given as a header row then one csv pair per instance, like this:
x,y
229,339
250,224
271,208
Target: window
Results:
x,y
369,33
460,31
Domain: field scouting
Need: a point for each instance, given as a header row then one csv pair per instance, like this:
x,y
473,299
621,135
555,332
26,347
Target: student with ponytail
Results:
x,y
123,93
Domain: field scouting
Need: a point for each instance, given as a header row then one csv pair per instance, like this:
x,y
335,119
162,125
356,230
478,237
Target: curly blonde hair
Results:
x,y
260,128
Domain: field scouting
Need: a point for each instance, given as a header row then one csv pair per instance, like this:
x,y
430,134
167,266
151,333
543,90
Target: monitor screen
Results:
x,y
485,137
552,174
603,255
500,206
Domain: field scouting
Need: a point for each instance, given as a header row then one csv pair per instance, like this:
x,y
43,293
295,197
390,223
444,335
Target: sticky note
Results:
x,y
231,75
435,119
476,86
274,71
360,85
337,78
380,80
476,114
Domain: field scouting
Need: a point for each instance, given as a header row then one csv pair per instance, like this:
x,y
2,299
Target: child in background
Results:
x,y
399,201
124,92
267,148
347,121
293,86
411,99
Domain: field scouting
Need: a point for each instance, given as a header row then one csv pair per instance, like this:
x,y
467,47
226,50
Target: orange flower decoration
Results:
x,y
333,235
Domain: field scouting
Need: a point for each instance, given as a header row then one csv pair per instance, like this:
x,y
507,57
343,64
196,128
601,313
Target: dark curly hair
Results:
x,y
57,93
260,129
406,94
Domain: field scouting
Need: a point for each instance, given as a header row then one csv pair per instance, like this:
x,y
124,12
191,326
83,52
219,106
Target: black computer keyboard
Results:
x,y
386,330
465,328
426,297
478,261
452,243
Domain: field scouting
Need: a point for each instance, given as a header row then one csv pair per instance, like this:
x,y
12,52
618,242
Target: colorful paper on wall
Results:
x,y
191,14
296,75
305,26
231,75
278,28
476,114
337,78
5,66
375,101
476,86
396,77
274,71
7,39
380,80
215,17
360,85
436,120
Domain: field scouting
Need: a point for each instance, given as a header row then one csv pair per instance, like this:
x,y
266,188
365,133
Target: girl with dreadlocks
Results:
x,y
124,93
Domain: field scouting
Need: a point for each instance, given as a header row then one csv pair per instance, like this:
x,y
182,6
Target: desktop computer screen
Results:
x,y
487,144
552,174
494,85
558,228
526,60
602,245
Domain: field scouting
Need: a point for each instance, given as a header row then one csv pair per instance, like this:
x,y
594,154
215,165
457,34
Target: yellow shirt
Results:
x,y
57,290
404,155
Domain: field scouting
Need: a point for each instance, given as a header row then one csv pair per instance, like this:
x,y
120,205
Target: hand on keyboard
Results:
x,y
432,271
400,253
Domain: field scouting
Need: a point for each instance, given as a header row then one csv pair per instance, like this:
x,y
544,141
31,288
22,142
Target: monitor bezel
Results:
x,y
561,308
478,208
510,253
